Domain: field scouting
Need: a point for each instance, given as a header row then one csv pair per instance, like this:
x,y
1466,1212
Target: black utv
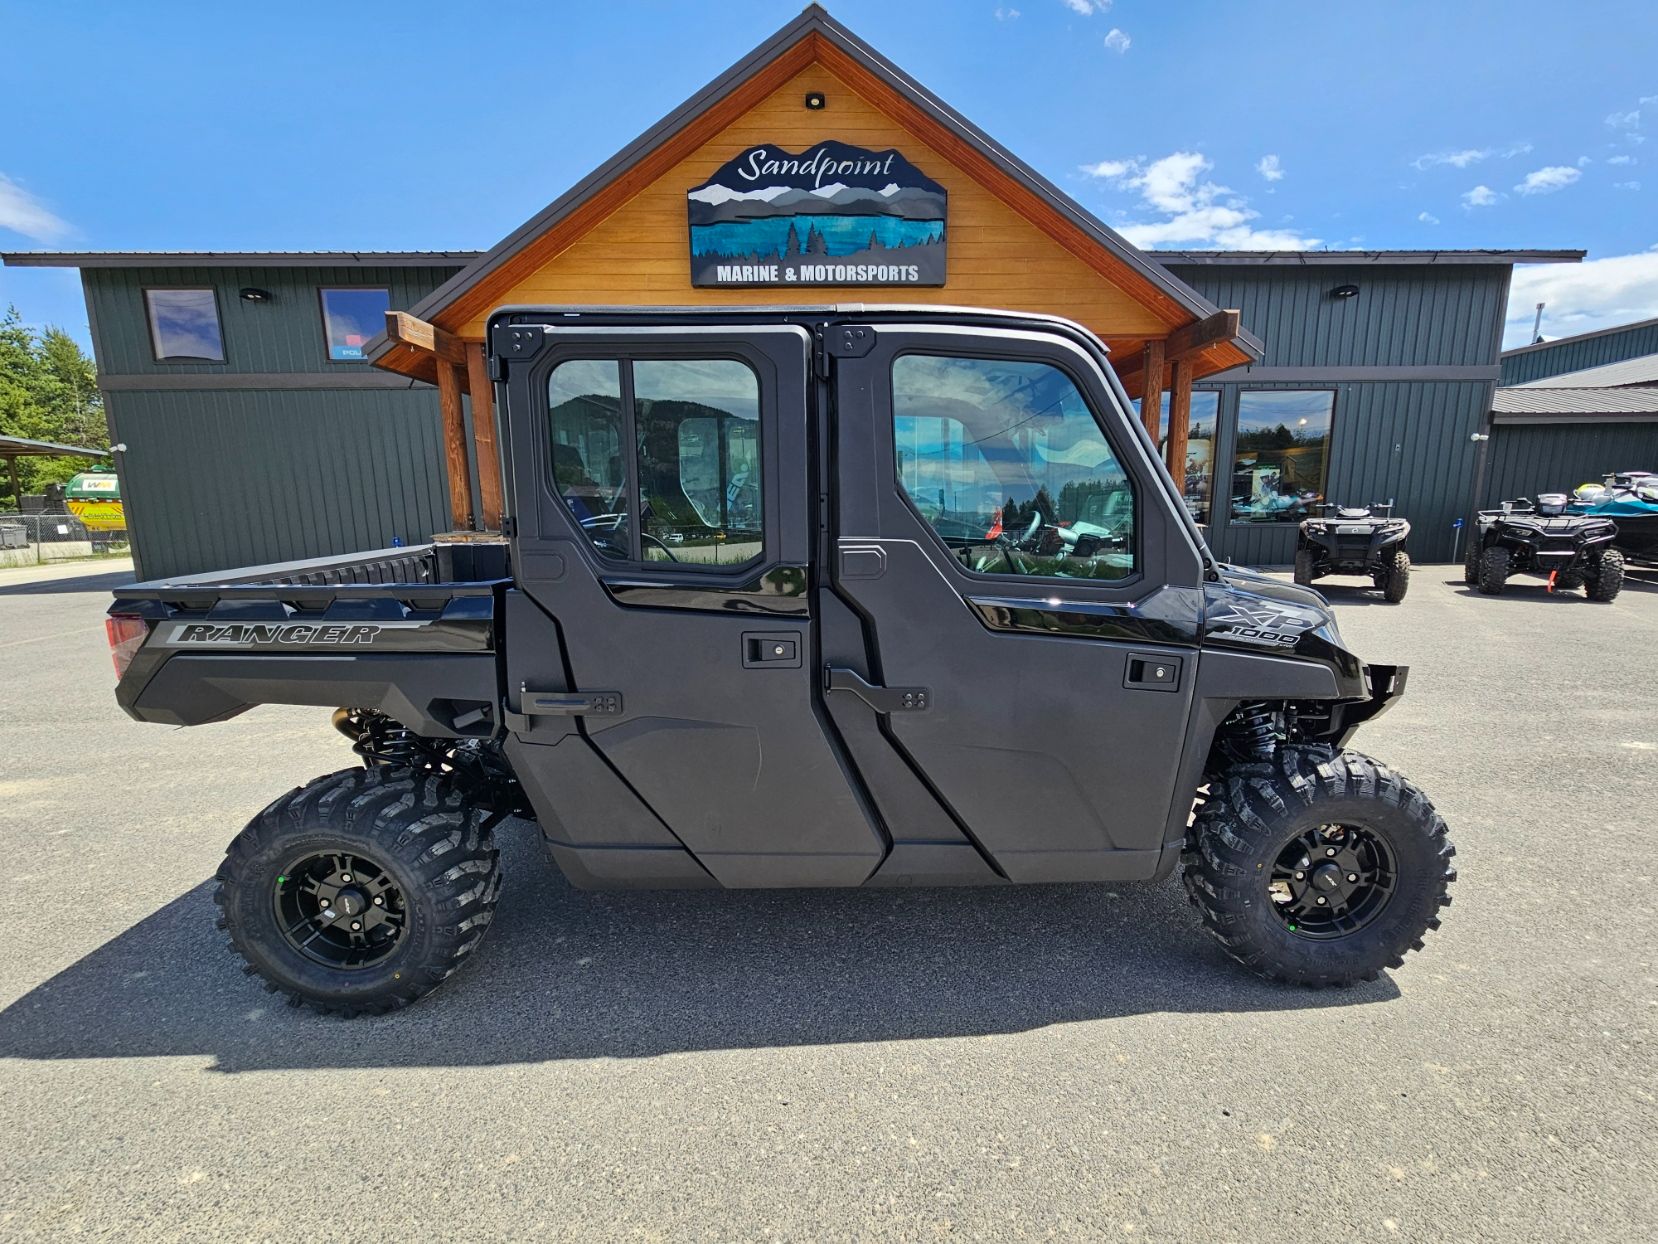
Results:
x,y
877,597
1356,540
1571,550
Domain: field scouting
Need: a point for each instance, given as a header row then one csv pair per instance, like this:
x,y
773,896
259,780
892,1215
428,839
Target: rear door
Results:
x,y
1029,605
664,527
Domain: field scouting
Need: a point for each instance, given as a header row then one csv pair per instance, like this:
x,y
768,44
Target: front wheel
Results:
x,y
1494,568
1607,581
360,891
1396,577
1306,567
1471,562
1321,869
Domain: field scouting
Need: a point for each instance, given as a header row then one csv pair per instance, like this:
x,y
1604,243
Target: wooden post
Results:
x,y
1151,389
17,488
484,451
454,446
1180,420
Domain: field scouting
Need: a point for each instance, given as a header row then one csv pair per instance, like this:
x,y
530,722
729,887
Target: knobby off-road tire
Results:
x,y
1494,570
1258,811
1571,581
1305,563
1396,581
1471,562
1607,581
430,862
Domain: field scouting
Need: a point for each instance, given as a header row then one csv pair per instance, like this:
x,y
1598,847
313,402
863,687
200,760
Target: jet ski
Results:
x,y
1629,499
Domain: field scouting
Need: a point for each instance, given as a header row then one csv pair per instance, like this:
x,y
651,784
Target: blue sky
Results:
x,y
1242,125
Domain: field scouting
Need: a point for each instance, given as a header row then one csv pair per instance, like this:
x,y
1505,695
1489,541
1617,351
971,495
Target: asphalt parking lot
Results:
x,y
1021,1063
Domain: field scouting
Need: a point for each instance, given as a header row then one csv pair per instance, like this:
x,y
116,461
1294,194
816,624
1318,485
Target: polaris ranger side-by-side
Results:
x,y
797,597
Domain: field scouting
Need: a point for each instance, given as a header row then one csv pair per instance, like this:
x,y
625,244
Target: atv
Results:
x,y
1572,550
1359,540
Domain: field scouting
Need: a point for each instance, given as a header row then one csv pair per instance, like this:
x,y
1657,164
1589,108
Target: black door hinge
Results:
x,y
509,526
881,699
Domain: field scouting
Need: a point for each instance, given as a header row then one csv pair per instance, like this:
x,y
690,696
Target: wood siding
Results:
x,y
640,254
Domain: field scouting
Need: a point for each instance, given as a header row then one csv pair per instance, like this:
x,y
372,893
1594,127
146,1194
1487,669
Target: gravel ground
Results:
x,y
1041,1062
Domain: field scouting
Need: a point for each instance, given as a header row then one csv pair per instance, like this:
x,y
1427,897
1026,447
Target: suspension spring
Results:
x,y
1251,731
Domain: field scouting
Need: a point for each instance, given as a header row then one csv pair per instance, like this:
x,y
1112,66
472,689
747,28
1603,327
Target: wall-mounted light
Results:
x,y
815,101
1345,291
250,294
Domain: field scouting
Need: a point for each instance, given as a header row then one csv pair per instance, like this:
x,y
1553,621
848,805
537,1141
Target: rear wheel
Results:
x,y
1305,567
1607,580
1494,570
1396,578
1471,563
360,891
1322,868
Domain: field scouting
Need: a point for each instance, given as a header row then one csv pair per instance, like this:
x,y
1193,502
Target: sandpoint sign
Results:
x,y
833,215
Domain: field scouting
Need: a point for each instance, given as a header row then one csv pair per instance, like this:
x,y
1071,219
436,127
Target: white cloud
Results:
x,y
1195,211
1621,159
1626,185
1467,156
1584,161
1583,297
1480,196
1117,41
1427,218
1630,120
1007,14
1548,180
1271,168
21,212
1087,8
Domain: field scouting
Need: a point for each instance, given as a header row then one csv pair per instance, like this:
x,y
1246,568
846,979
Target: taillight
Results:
x,y
126,636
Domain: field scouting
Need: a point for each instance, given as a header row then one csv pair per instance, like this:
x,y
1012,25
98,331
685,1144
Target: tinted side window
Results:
x,y
659,459
184,325
585,408
698,424
1007,464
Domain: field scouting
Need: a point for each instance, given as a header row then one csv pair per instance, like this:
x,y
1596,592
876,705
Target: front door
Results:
x,y
664,527
1028,602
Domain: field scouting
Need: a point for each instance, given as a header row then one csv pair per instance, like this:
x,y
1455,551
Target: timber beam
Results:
x,y
406,329
1183,343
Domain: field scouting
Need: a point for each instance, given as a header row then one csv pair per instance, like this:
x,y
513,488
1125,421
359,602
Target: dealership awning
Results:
x,y
14,447
1537,403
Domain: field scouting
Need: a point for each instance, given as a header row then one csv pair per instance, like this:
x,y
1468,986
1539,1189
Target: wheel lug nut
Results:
x,y
1321,902
346,877
380,902
1352,876
356,926
1300,876
1327,851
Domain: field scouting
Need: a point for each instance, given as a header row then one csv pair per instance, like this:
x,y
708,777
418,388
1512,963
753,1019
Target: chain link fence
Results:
x,y
35,539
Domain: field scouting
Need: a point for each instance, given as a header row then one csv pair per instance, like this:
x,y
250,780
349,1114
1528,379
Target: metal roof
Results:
x,y
22,447
1302,258
812,20
1531,401
1640,370
1561,341
238,259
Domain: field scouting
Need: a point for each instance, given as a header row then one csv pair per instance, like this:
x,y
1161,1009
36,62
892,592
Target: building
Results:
x,y
1574,410
1280,379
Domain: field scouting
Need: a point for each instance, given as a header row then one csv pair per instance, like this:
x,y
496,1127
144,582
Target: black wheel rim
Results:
x,y
1331,881
340,909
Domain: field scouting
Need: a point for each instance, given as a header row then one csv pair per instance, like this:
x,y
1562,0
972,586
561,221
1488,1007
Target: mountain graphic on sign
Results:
x,y
829,179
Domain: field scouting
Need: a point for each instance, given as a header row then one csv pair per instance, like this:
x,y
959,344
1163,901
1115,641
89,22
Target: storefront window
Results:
x,y
351,318
1282,453
1198,483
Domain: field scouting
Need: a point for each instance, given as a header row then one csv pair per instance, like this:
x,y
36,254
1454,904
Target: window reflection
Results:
x,y
351,318
1197,481
585,401
1006,462
1281,455
184,325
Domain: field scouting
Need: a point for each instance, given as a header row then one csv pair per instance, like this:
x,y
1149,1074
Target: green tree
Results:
x,y
48,392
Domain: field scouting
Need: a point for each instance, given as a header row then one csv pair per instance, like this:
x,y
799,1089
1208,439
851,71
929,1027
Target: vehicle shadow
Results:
x,y
568,974
1357,592
1529,590
101,582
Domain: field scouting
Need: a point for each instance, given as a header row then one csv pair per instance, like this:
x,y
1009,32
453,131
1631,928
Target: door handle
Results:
x,y
881,699
1147,671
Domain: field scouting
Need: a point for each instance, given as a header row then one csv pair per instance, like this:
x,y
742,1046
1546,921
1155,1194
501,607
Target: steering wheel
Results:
x,y
666,551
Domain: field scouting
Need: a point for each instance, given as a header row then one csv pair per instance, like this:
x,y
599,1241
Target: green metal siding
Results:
x,y
1557,457
282,335
1403,316
214,480
1557,358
